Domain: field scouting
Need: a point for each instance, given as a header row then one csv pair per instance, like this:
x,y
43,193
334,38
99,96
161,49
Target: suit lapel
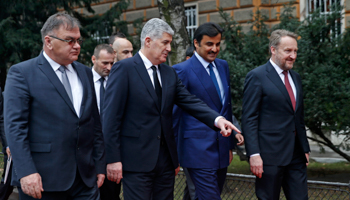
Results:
x,y
46,68
84,82
141,70
163,75
275,79
203,77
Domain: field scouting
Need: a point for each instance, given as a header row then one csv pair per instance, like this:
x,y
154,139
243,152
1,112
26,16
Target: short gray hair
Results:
x,y
154,29
276,36
54,22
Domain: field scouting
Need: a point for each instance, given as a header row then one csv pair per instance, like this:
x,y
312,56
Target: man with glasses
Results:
x,y
52,121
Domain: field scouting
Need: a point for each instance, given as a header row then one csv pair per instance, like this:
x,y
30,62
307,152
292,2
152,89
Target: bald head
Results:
x,y
122,49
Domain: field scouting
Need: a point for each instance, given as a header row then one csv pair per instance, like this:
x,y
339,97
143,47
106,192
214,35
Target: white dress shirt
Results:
x,y
97,85
216,72
148,66
280,73
74,81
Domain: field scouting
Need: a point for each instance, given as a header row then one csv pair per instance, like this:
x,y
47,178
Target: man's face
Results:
x,y
160,48
124,50
209,47
286,53
62,52
104,63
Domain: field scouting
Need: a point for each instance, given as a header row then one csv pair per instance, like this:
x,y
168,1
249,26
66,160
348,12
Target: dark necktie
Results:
x,y
289,88
102,92
213,78
65,82
157,86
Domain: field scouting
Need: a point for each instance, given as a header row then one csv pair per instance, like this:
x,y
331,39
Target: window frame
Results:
x,y
325,12
194,11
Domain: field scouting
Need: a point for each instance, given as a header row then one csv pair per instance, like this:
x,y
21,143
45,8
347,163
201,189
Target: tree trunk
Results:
x,y
173,12
325,141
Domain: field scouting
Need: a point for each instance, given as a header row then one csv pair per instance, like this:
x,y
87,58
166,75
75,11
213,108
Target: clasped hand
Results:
x,y
115,172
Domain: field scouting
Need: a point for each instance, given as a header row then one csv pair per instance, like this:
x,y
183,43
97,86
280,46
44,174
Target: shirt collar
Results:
x,y
277,68
96,76
146,62
204,62
55,65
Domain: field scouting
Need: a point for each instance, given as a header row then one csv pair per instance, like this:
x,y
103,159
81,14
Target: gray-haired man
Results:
x,y
137,117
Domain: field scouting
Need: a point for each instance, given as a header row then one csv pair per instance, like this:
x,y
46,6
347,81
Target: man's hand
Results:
x,y
240,139
100,180
231,156
256,165
177,170
8,152
226,127
115,172
32,185
307,155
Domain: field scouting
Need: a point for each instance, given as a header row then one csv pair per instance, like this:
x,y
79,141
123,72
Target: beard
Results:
x,y
283,63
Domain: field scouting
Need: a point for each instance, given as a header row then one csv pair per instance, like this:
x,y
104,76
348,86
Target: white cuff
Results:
x,y
217,119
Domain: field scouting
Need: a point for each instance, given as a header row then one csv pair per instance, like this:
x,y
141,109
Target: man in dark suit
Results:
x,y
273,122
51,119
203,151
137,117
5,187
103,59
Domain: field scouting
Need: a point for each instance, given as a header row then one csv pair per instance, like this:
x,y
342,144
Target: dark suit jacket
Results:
x,y
133,121
44,133
198,145
269,122
2,131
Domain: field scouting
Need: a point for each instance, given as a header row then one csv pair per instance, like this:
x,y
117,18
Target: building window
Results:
x,y
191,22
103,33
325,8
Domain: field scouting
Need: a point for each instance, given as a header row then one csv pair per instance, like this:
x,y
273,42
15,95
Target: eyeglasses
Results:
x,y
70,42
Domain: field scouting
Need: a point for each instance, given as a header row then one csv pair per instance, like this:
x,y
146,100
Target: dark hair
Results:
x,y
189,51
210,29
114,36
100,47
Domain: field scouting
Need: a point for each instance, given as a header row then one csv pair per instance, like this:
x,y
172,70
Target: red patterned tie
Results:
x,y
289,88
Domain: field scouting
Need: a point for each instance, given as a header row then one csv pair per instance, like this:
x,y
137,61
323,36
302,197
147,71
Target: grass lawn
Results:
x,y
334,172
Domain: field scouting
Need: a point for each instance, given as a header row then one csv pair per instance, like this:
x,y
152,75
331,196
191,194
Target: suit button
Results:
x,y
217,139
158,137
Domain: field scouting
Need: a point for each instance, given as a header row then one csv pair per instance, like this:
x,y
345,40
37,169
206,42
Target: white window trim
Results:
x,y
197,17
304,9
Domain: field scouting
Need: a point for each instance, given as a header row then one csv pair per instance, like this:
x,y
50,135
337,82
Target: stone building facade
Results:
x,y
201,11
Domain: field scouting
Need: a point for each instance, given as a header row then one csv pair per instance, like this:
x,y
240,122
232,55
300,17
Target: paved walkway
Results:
x,y
328,157
14,195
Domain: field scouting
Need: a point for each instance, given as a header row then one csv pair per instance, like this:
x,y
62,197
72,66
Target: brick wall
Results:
x,y
240,10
